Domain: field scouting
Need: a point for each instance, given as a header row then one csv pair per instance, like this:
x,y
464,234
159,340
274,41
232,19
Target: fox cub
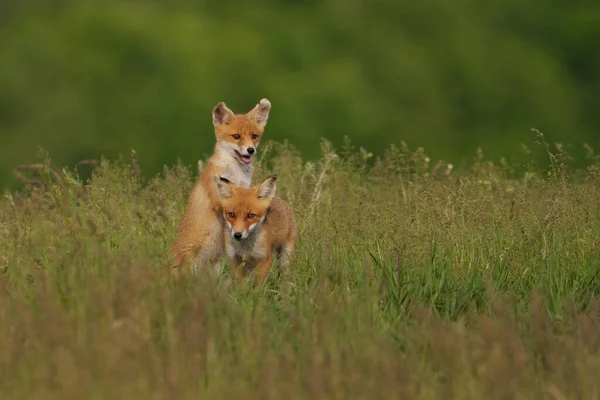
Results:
x,y
199,238
259,227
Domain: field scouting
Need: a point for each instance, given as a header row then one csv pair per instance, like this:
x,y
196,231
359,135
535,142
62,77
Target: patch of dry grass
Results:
x,y
413,280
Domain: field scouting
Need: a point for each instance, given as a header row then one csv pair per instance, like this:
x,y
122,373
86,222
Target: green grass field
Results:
x,y
413,280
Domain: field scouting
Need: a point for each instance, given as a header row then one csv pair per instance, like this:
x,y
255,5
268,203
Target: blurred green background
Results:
x,y
89,78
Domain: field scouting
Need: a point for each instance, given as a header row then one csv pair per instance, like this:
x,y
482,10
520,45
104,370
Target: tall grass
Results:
x,y
413,279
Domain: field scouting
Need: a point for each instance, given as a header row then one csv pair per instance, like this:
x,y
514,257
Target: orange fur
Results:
x,y
265,226
199,237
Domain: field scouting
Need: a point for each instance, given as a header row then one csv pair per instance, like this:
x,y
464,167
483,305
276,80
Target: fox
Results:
x,y
198,240
260,227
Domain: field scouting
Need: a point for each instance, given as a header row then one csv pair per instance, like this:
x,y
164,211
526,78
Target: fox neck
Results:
x,y
235,170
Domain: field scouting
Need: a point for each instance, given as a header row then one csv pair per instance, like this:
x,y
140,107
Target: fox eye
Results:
x,y
231,214
235,136
251,215
254,136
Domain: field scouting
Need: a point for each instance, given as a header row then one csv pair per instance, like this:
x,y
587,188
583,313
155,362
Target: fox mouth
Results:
x,y
246,159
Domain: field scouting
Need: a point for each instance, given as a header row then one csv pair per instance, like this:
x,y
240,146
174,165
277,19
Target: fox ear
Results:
x,y
260,112
221,114
223,187
267,188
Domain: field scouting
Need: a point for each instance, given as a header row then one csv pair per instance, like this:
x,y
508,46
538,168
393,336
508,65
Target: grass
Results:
x,y
413,280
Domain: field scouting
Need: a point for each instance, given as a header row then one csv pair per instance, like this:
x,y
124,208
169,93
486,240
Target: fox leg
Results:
x,y
217,265
235,269
208,254
202,260
287,254
286,258
182,263
262,269
218,243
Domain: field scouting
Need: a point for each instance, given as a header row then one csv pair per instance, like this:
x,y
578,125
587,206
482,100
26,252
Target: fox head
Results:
x,y
239,134
245,209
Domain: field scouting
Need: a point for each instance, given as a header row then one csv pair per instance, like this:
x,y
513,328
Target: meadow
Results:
x,y
414,279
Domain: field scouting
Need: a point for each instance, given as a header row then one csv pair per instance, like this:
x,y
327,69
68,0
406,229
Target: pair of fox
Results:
x,y
224,212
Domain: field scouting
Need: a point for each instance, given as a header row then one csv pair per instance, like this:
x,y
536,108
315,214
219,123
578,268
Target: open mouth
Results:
x,y
244,158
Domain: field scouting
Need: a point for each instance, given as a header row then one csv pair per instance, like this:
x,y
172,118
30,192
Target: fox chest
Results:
x,y
236,173
250,250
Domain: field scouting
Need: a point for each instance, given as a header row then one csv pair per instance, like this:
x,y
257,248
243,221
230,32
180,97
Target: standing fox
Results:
x,y
259,226
199,238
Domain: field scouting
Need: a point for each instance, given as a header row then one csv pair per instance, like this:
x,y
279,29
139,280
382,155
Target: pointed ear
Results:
x,y
223,187
222,115
267,188
260,112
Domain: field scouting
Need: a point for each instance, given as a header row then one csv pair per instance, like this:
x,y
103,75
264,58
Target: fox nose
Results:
x,y
251,150
237,235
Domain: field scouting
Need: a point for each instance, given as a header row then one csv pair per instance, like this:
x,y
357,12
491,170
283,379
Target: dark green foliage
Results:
x,y
84,79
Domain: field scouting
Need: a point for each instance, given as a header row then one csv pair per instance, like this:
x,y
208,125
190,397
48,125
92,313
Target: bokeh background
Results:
x,y
88,78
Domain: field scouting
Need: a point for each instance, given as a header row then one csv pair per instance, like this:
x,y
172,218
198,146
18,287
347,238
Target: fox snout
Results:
x,y
246,150
240,235
245,153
